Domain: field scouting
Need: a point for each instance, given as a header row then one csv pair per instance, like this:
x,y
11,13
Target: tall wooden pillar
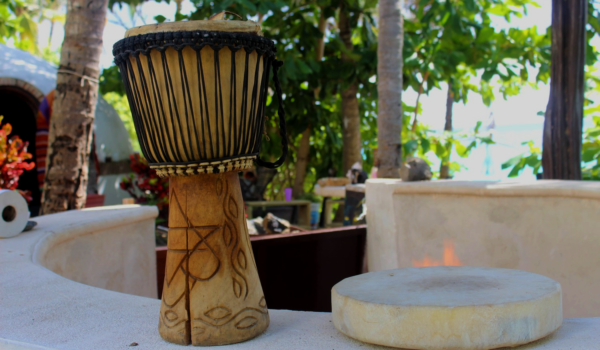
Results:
x,y
561,157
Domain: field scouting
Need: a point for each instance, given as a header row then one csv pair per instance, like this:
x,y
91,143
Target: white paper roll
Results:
x,y
13,213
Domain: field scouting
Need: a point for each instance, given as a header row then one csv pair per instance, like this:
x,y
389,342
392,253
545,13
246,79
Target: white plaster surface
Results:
x,y
464,307
381,228
15,63
546,227
42,310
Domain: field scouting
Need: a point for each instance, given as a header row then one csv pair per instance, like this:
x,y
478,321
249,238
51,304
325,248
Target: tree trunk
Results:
x,y
177,9
350,114
561,157
301,163
389,87
304,149
70,133
419,93
445,165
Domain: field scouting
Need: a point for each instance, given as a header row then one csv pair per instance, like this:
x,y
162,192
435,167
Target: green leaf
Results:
x,y
488,74
590,154
425,145
516,170
512,161
461,150
248,5
411,146
470,5
533,161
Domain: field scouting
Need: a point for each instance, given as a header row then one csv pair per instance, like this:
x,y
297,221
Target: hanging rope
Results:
x,y
284,145
83,77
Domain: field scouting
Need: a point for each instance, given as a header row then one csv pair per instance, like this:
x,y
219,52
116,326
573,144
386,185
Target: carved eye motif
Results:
x,y
237,288
171,316
233,208
242,259
246,322
262,302
218,313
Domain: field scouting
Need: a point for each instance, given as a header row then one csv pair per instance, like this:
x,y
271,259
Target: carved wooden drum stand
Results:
x,y
197,92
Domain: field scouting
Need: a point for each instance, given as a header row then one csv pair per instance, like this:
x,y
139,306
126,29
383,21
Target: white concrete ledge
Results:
x,y
40,309
543,188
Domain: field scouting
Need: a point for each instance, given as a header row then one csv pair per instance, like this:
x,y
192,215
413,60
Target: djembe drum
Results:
x,y
197,92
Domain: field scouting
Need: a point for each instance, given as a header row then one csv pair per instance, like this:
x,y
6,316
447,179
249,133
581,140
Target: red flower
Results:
x,y
13,156
144,185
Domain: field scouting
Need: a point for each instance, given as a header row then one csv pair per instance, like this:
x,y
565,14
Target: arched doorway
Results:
x,y
19,108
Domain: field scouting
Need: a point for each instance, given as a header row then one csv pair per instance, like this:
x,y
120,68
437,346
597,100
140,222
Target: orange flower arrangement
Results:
x,y
13,159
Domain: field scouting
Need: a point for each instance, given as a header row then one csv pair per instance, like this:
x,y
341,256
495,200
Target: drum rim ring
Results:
x,y
196,40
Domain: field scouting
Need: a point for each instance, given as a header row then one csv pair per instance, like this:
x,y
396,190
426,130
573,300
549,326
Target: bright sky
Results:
x,y
516,119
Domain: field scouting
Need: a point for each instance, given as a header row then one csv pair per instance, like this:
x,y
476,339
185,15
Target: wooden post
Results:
x,y
389,88
212,294
70,133
561,157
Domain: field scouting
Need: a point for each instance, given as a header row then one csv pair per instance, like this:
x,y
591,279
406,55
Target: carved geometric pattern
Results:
x,y
231,236
196,255
182,255
228,317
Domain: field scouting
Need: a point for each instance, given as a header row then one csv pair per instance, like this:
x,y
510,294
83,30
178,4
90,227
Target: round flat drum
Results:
x,y
447,307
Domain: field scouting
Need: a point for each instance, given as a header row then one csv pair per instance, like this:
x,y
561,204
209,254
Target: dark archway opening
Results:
x,y
19,108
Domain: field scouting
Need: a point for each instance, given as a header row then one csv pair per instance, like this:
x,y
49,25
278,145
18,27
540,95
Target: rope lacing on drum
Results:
x,y
167,138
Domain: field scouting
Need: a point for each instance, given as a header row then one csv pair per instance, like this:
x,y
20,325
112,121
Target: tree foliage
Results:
x,y
445,41
14,159
590,150
294,28
456,44
591,136
19,21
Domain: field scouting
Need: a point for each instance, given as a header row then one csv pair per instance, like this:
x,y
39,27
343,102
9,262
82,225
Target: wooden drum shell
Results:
x,y
197,98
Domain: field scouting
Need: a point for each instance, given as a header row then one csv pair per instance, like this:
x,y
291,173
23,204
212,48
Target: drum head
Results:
x,y
248,27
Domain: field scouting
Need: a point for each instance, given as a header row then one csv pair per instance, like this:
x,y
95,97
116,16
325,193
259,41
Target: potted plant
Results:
x,y
147,188
13,160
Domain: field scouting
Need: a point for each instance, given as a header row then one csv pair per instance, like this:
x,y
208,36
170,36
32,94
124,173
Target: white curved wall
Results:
x,y
116,254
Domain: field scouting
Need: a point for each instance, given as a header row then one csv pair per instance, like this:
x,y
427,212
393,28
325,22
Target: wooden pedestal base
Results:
x,y
212,294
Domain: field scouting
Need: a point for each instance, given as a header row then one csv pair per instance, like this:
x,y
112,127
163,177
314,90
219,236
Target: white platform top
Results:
x,y
448,287
541,188
331,191
40,309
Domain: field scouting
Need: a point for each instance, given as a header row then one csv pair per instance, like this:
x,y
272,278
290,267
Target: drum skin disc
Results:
x,y
447,307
